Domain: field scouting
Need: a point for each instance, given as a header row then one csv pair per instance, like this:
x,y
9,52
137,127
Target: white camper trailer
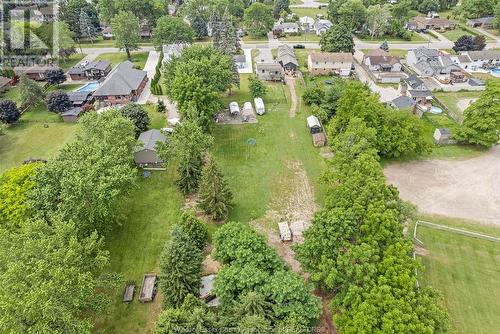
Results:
x,y
234,108
259,106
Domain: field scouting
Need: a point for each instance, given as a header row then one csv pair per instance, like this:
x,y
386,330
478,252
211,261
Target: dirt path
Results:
x,y
290,82
463,104
467,189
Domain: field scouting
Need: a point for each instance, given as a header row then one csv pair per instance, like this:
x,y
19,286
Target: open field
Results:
x,y
138,58
257,174
309,37
309,11
102,43
467,188
415,38
466,271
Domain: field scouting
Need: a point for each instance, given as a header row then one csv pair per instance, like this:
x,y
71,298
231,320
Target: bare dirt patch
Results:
x,y
463,104
290,82
468,189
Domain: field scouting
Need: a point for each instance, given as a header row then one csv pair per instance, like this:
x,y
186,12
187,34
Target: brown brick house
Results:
x,y
123,85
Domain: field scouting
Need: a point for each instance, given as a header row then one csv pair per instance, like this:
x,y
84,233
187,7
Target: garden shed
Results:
x,y
71,115
234,108
259,106
313,124
442,136
285,232
145,155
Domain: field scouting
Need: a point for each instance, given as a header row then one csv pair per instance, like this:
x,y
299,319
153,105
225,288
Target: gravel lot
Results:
x,y
468,189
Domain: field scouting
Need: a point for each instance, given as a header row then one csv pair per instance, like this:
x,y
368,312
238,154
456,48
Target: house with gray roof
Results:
x,y
93,70
402,102
286,58
430,62
172,50
286,28
80,99
123,85
145,155
71,115
479,60
482,22
266,68
321,26
383,67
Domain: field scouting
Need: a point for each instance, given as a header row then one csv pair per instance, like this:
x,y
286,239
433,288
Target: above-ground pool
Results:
x,y
436,110
495,72
90,87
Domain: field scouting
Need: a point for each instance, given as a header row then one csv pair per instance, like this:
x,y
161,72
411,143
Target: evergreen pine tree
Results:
x,y
214,194
384,46
87,29
180,268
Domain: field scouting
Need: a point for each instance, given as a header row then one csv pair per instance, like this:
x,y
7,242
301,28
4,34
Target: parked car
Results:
x,y
322,6
329,82
299,46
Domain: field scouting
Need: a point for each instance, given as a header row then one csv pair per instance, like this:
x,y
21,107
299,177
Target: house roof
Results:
x,y
413,81
322,24
433,21
426,52
149,139
403,102
476,82
95,64
331,57
377,53
484,55
306,20
121,81
172,50
483,20
420,93
78,96
33,69
288,59
4,81
287,25
268,66
383,60
72,112
464,58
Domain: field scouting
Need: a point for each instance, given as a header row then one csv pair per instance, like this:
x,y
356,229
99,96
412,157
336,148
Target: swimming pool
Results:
x,y
495,72
90,87
436,110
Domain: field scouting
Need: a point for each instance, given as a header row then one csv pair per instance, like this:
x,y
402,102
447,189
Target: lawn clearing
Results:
x,y
254,39
158,119
71,61
138,58
312,12
466,271
145,218
451,99
415,38
257,174
309,37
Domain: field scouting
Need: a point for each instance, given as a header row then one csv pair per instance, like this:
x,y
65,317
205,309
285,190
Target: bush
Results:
x,y
9,113
313,94
58,101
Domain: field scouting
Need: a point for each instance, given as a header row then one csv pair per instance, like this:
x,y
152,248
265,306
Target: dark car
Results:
x,y
299,46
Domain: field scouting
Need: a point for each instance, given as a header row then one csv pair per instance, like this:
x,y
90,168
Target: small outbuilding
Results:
x,y
206,291
234,108
148,288
442,136
145,155
285,232
260,109
313,124
128,294
71,115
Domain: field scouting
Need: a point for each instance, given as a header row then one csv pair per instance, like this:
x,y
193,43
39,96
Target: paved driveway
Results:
x,y
468,189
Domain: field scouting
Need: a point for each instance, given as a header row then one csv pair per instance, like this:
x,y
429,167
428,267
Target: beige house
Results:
x,y
327,63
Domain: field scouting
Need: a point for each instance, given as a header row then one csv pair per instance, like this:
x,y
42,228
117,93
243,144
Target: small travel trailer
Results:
x,y
260,109
234,108
313,124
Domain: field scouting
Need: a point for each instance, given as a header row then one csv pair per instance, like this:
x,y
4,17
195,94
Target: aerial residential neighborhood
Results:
x,y
306,166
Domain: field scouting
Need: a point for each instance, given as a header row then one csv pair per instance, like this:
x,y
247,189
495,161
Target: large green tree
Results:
x,y
482,119
15,184
258,19
186,146
138,115
180,268
337,39
170,30
95,168
30,92
214,196
194,228
377,20
126,31
353,14
48,278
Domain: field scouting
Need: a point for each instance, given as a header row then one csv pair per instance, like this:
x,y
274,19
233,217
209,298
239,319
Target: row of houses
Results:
x,y
305,24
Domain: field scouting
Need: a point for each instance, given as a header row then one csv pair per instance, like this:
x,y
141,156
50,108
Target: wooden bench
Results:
x,y
148,288
129,292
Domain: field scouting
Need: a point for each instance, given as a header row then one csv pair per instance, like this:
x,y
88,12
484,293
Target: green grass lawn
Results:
x,y
466,271
71,61
138,58
146,218
258,175
29,138
158,120
102,43
254,39
309,11
310,37
450,99
454,34
415,38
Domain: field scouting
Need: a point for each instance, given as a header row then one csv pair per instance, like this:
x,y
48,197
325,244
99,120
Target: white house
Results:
x,y
328,63
307,23
479,60
287,28
321,26
430,62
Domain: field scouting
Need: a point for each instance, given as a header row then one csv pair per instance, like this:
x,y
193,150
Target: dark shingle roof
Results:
x,y
149,139
403,102
72,112
413,81
121,81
